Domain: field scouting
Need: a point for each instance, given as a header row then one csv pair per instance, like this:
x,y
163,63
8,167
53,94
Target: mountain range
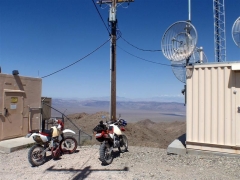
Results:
x,y
162,98
101,104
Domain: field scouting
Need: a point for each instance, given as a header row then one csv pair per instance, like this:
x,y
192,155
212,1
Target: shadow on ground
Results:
x,y
81,174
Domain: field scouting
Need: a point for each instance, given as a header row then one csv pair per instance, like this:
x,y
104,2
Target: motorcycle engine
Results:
x,y
55,142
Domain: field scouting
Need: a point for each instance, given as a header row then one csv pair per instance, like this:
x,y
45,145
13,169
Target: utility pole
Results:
x,y
113,20
113,54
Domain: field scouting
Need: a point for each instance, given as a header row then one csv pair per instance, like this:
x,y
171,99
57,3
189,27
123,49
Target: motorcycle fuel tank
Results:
x,y
56,132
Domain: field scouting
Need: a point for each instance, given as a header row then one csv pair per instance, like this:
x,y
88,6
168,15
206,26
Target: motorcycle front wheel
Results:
x,y
35,156
105,154
123,144
68,145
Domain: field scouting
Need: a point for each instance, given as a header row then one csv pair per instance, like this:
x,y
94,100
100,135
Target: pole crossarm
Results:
x,y
111,1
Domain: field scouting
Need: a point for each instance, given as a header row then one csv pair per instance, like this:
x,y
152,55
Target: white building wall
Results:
x,y
213,95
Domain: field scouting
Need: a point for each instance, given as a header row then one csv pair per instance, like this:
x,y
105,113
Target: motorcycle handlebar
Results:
x,y
117,122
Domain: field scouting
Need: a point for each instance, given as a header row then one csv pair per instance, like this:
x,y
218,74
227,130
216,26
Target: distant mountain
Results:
x,y
77,105
163,98
166,98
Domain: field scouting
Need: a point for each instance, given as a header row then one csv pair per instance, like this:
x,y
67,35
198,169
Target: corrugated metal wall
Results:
x,y
212,98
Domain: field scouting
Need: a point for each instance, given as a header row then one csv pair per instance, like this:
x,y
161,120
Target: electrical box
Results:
x,y
112,14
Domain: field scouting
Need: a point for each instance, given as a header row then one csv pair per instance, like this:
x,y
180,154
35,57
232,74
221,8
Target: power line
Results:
x,y
143,58
77,60
101,18
119,34
138,47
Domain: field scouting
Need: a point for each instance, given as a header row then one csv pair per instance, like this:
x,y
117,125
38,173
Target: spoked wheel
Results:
x,y
68,145
105,154
123,144
35,156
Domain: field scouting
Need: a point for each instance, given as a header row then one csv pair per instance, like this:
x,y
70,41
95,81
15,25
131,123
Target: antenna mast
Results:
x,y
189,10
219,30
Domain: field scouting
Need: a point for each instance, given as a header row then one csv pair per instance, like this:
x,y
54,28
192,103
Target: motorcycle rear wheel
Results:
x,y
105,155
68,145
123,144
35,157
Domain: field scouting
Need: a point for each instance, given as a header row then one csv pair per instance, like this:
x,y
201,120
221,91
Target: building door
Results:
x,y
13,115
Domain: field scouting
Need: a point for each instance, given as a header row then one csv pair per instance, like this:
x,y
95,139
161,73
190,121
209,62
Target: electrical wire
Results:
x,y
138,47
77,60
104,7
101,18
143,58
119,34
121,4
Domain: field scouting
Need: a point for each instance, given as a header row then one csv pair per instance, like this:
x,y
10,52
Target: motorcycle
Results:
x,y
111,136
51,140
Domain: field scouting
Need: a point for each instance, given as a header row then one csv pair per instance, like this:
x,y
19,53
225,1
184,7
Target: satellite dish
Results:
x,y
236,32
179,67
179,41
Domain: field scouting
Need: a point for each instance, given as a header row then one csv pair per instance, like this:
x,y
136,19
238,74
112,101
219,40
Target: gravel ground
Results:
x,y
138,163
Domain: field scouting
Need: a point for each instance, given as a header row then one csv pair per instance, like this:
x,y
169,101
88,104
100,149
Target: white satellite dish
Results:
x,y
236,32
179,41
179,67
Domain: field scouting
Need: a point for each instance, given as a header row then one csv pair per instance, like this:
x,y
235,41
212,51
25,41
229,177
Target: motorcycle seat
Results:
x,y
48,132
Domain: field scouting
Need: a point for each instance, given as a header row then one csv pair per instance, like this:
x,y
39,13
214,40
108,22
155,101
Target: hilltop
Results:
x,y
141,133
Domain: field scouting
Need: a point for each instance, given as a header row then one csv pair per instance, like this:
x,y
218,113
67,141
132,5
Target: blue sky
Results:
x,y
39,37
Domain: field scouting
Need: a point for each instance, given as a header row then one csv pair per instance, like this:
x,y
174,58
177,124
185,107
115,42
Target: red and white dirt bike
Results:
x,y
111,136
53,140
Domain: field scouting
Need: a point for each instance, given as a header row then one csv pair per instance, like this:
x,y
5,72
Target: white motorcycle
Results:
x,y
53,140
111,136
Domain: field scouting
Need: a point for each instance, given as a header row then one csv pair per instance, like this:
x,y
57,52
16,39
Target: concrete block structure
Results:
x,y
17,95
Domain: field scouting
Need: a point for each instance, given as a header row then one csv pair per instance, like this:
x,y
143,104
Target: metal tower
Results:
x,y
219,30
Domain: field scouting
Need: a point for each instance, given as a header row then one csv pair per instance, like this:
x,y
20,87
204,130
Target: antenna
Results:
x,y
236,32
189,10
177,42
179,67
179,46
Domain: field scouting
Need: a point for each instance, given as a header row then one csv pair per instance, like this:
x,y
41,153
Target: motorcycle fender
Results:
x,y
117,130
68,131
